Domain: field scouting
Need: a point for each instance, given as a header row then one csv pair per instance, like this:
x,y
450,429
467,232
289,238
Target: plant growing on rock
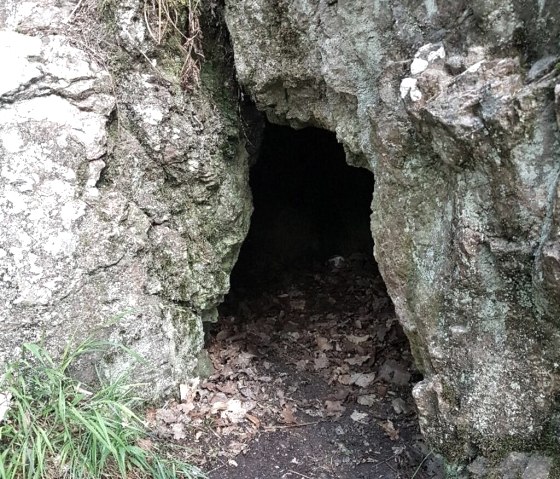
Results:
x,y
181,17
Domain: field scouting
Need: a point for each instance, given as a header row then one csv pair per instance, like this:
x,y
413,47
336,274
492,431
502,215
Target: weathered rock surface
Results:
x,y
123,200
455,108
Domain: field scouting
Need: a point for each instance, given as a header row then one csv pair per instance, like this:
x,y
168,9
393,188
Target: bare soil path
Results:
x,y
312,379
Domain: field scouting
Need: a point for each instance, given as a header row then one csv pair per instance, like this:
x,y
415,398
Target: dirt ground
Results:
x,y
312,379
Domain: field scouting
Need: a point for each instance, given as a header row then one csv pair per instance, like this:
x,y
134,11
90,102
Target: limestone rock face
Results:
x,y
123,199
455,108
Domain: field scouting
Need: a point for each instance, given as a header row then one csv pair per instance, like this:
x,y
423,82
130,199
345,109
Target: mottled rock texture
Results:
x,y
454,106
123,199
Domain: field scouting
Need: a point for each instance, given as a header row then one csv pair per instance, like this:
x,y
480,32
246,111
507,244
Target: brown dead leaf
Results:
x,y
178,430
390,430
321,362
229,387
254,419
301,365
362,380
323,344
357,360
357,339
334,408
288,415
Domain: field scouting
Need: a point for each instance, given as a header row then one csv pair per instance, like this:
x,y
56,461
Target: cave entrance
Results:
x,y
307,341
310,208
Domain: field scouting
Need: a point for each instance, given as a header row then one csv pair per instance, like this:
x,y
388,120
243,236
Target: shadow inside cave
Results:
x,y
307,338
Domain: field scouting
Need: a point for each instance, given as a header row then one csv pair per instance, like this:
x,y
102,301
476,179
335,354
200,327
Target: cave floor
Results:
x,y
312,379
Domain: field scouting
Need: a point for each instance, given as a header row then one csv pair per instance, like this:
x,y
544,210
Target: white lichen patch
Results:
x,y
409,86
17,70
425,55
418,66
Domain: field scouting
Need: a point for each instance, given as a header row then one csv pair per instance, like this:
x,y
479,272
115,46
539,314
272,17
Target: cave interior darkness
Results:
x,y
309,206
308,322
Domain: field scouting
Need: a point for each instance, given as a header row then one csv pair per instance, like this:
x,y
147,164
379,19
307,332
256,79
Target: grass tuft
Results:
x,y
51,426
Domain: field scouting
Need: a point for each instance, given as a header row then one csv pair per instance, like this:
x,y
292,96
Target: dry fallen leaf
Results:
x,y
357,339
359,417
362,380
254,419
321,362
367,399
357,360
334,408
390,430
178,431
323,344
288,415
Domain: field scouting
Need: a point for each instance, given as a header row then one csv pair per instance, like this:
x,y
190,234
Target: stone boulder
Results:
x,y
124,199
454,107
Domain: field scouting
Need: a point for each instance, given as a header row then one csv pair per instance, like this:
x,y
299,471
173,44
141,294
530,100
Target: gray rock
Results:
x,y
513,466
542,67
538,467
126,199
466,159
479,467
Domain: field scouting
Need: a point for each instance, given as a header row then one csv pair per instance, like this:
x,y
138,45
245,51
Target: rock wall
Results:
x,y
455,108
124,199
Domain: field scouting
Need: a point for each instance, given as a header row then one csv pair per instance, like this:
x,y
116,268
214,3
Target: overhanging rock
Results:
x,y
454,107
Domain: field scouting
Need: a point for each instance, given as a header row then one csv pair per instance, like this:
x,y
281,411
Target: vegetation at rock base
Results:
x,y
52,426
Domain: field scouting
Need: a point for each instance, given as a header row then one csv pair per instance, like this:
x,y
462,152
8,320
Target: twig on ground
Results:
x,y
299,474
386,460
421,464
288,426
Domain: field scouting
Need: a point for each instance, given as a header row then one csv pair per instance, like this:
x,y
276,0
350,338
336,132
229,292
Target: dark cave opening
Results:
x,y
309,206
307,334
